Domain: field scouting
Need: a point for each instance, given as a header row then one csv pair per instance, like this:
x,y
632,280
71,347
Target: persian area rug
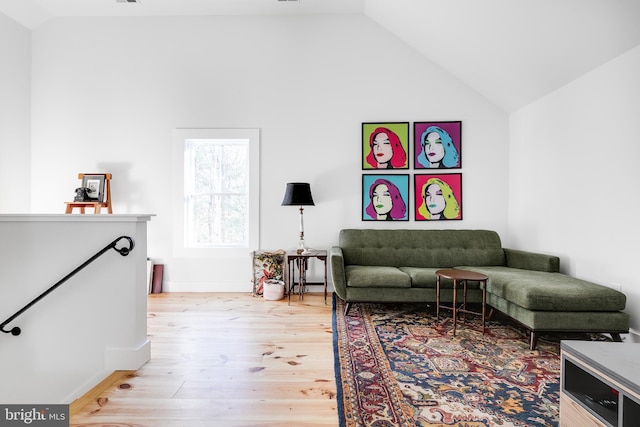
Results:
x,y
396,365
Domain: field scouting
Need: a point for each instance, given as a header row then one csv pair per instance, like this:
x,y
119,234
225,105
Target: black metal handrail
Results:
x,y
124,251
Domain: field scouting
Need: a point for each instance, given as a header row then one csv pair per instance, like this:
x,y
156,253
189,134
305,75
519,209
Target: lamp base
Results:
x,y
301,247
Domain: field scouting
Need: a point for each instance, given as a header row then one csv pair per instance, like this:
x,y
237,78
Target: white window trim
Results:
x,y
179,137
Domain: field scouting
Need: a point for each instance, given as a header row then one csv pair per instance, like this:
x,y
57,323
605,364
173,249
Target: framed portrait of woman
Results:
x,y
438,196
385,197
437,145
385,145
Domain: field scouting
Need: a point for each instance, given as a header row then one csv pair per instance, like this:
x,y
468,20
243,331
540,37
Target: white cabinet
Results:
x,y
600,384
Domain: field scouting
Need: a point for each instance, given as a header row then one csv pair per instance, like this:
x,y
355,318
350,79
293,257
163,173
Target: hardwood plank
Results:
x,y
93,394
186,412
232,358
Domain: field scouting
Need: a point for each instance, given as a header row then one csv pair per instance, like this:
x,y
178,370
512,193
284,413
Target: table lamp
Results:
x,y
298,194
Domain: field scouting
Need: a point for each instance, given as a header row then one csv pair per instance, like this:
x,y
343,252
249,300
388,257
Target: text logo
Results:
x,y
34,415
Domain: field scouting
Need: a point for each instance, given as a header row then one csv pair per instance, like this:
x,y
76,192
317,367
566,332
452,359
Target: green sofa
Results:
x,y
399,266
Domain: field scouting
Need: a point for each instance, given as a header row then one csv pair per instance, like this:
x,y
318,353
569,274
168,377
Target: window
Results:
x,y
217,193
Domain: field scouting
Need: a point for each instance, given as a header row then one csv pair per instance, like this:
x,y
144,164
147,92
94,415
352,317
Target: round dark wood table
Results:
x,y
461,276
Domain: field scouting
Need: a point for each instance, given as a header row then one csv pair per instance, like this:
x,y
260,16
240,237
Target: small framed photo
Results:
x,y
385,197
95,184
437,145
385,145
438,196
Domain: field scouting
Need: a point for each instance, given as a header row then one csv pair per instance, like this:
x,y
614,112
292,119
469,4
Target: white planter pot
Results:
x,y
273,290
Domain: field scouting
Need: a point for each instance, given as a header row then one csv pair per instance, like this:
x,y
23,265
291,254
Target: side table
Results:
x,y
300,262
461,276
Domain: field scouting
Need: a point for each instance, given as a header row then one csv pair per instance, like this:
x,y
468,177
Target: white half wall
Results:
x,y
93,323
574,170
108,94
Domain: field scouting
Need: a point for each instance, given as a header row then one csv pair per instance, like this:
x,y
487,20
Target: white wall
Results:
x,y
107,94
574,175
15,83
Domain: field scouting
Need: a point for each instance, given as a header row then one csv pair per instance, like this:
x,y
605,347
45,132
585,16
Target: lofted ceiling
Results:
x,y
511,51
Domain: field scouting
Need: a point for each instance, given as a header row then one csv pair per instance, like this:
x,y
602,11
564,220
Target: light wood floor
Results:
x,y
225,360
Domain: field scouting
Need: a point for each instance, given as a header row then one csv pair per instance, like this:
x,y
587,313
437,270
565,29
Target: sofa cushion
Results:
x,y
426,278
421,277
367,276
421,248
536,290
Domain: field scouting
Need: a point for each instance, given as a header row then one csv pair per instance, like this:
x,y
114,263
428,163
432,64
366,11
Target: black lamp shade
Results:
x,y
298,194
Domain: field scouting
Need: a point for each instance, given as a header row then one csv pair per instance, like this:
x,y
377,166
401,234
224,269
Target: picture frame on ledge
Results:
x,y
95,184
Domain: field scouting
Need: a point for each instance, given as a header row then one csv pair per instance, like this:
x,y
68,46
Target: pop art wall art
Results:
x,y
438,196
385,145
437,145
385,197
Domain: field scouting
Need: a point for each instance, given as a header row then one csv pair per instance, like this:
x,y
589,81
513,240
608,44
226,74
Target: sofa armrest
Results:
x,y
338,276
532,261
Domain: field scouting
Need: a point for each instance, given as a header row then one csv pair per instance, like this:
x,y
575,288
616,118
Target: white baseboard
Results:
x,y
207,286
86,387
127,359
633,336
223,287
115,359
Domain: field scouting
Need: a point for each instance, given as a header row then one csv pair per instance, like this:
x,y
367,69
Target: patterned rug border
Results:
x,y
336,363
396,404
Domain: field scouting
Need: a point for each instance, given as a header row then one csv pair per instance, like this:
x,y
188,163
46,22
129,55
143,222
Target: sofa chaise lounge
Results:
x,y
399,266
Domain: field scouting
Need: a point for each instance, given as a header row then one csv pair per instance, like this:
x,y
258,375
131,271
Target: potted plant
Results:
x,y
268,269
